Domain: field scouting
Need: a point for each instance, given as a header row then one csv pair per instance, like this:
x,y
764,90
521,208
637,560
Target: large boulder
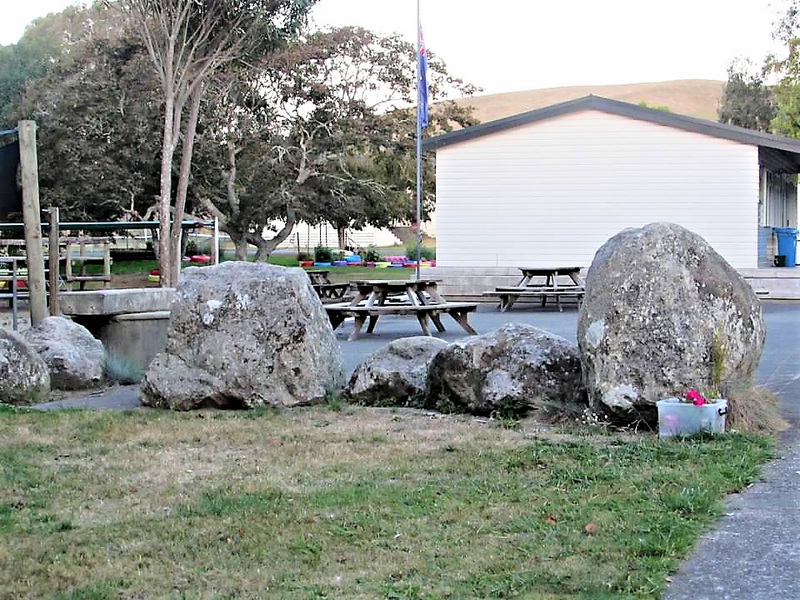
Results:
x,y
396,374
75,358
661,308
515,370
24,378
244,335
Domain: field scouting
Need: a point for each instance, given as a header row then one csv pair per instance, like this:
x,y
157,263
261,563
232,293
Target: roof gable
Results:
x,y
625,109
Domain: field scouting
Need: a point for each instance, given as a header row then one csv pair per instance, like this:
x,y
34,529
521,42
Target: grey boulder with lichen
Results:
x,y
24,377
75,358
244,335
395,375
514,370
661,307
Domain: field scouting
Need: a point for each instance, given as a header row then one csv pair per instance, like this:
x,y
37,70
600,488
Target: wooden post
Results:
x,y
53,252
82,272
215,242
32,219
106,264
68,266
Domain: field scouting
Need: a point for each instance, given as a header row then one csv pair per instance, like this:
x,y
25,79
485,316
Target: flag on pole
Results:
x,y
422,87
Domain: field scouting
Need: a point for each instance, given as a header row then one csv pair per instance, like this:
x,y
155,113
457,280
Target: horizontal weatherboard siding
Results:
x,y
552,192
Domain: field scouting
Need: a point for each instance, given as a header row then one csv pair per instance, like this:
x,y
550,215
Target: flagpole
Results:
x,y
418,233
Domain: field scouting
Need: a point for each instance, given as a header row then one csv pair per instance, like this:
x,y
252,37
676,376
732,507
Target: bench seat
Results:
x,y
508,296
457,310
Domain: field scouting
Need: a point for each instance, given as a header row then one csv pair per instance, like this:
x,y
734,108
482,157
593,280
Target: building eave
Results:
x,y
624,109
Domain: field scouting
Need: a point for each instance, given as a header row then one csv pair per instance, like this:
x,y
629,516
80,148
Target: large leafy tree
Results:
x,y
238,176
747,101
189,42
343,96
332,113
787,67
44,42
98,114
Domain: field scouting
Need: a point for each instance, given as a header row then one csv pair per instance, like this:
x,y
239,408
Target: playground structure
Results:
x,y
131,323
66,268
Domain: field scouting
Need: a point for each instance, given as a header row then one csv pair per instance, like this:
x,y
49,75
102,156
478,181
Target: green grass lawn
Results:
x,y
356,503
139,269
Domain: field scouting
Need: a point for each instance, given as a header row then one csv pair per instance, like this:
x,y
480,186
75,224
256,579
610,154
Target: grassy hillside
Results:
x,y
694,97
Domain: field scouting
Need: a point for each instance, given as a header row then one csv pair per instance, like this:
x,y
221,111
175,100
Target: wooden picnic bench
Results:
x,y
420,298
326,290
550,289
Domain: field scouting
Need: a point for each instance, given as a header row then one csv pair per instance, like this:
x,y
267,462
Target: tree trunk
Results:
x,y
341,233
267,247
183,182
263,250
239,248
165,201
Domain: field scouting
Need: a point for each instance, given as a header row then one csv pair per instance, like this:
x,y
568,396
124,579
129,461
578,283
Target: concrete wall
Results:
x,y
552,192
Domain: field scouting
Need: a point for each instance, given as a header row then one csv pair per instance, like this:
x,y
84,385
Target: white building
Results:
x,y
307,237
548,187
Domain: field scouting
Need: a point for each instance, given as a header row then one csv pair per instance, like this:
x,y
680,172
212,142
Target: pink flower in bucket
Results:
x,y
695,397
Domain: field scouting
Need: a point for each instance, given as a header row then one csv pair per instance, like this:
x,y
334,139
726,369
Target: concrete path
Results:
x,y
124,397
753,553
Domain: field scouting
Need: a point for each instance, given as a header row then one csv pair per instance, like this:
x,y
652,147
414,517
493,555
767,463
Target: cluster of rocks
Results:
x,y
663,312
244,335
513,371
56,354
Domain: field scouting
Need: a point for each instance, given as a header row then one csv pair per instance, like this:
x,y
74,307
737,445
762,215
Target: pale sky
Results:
x,y
508,45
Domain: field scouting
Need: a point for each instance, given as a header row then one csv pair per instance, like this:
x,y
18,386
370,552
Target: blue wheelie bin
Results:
x,y
787,244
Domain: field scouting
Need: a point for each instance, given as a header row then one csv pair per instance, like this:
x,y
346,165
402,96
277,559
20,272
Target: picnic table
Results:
x,y
326,290
551,288
418,297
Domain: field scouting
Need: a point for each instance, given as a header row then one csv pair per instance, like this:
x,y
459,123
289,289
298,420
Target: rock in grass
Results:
x,y
24,378
661,308
244,335
512,371
75,358
396,374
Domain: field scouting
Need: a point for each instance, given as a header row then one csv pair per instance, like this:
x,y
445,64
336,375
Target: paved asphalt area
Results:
x,y
753,552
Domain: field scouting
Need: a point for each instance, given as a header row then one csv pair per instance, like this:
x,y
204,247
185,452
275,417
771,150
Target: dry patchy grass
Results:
x,y
360,503
755,409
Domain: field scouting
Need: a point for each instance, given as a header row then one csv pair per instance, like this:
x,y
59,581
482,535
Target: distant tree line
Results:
x,y
238,110
749,101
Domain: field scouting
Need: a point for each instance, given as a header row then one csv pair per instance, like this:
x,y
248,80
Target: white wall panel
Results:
x,y
552,192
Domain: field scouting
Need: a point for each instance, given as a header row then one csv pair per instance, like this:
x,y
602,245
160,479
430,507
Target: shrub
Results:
x,y
203,246
198,246
122,371
322,254
370,254
304,256
425,252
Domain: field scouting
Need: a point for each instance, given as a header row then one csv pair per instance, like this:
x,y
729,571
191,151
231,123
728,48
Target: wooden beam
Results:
x,y
32,219
215,243
53,252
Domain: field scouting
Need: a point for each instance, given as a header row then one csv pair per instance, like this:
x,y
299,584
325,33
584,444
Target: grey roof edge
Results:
x,y
625,109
